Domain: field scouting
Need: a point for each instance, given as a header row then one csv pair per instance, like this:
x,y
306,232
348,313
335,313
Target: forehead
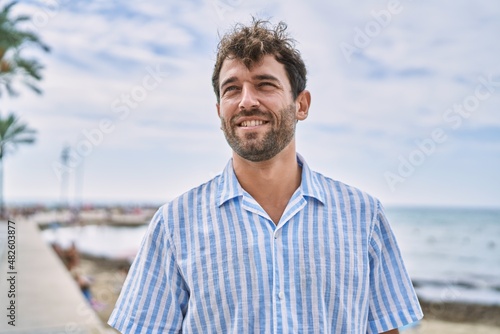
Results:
x,y
268,65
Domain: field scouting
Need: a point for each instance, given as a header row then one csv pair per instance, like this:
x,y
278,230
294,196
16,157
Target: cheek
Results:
x,y
224,118
226,111
229,102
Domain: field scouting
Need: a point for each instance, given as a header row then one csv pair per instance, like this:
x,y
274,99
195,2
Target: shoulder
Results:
x,y
190,202
341,194
333,192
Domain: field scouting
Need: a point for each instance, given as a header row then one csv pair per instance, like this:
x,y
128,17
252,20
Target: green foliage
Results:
x,y
13,64
12,133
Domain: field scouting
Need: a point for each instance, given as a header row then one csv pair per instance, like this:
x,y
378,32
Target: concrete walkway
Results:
x,y
47,299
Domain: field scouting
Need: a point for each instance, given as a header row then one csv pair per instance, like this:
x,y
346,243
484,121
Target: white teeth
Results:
x,y
251,123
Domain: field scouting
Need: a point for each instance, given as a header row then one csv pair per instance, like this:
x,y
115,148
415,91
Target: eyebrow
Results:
x,y
257,77
228,81
266,77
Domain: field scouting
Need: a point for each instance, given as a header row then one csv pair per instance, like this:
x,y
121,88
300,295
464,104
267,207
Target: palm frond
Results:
x,y
10,90
21,18
12,40
7,8
33,87
13,132
31,67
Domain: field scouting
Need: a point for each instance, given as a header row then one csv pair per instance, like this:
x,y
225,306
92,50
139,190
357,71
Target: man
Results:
x,y
268,246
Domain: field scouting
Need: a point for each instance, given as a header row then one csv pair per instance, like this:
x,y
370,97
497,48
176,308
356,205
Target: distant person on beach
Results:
x,y
268,246
72,256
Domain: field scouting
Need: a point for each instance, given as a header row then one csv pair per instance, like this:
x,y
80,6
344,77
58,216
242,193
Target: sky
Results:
x,y
405,98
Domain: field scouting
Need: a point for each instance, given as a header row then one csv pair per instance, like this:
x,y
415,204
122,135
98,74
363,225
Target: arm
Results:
x,y
392,331
393,301
154,297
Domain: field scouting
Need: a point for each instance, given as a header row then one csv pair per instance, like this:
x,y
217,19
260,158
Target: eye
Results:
x,y
230,89
266,85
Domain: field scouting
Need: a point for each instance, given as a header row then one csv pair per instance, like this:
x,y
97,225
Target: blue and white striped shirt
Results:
x,y
213,261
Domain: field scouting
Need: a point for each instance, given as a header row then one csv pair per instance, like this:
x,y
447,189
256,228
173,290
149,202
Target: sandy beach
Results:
x,y
446,318
107,278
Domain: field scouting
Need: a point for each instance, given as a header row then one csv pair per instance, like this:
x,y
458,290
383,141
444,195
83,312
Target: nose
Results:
x,y
249,99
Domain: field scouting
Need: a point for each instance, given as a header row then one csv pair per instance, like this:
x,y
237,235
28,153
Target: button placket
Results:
x,y
278,294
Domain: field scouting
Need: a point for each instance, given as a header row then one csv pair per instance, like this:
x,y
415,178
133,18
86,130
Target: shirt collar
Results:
x,y
230,188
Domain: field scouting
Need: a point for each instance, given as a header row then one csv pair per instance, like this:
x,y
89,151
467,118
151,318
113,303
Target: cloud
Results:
x,y
365,112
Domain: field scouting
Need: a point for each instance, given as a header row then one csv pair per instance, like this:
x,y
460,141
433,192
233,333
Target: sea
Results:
x,y
451,254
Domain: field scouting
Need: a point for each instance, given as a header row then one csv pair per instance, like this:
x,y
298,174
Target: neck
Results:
x,y
272,182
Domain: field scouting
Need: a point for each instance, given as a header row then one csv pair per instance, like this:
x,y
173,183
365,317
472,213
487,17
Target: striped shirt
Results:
x,y
212,261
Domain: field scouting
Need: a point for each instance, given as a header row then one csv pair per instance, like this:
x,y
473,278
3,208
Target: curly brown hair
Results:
x,y
250,43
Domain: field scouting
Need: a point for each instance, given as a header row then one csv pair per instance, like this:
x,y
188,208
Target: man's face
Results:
x,y
257,111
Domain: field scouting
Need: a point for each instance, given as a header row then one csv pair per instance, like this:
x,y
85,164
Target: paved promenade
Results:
x,y
47,299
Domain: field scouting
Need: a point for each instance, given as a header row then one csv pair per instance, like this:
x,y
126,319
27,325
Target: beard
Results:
x,y
256,149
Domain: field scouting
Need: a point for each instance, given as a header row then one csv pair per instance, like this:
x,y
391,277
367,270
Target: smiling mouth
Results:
x,y
252,123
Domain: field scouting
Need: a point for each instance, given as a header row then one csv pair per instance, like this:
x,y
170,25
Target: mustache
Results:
x,y
250,113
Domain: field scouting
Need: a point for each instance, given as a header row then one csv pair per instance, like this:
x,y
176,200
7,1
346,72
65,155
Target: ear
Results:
x,y
218,109
303,102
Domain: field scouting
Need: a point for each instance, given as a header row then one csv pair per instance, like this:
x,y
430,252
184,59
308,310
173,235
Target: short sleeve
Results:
x,y
393,301
154,297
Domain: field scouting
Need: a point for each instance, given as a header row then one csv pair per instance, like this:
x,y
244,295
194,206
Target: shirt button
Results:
x,y
281,295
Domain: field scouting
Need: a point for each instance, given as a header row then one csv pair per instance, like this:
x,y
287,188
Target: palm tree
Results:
x,y
12,64
12,134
